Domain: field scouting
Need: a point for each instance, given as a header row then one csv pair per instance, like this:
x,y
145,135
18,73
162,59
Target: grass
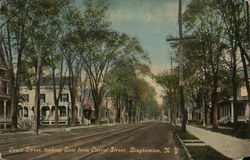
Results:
x,y
205,153
182,135
5,130
197,152
53,126
16,135
58,133
176,130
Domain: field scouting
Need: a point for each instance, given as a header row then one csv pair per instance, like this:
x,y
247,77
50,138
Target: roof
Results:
x,y
47,81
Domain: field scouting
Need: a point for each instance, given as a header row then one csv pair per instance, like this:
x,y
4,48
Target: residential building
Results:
x,y
47,107
226,109
85,112
5,96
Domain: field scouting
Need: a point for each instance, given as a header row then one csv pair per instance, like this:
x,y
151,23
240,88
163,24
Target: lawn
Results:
x,y
4,136
205,153
197,152
177,131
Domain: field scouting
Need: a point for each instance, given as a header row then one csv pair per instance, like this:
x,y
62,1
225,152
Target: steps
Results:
x,y
24,124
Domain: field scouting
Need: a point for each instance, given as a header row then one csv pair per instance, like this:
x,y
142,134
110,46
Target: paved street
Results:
x,y
129,142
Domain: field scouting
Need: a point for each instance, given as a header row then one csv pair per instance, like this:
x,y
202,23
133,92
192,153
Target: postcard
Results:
x,y
124,79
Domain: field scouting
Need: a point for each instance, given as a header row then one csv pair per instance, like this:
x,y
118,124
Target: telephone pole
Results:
x,y
181,61
181,82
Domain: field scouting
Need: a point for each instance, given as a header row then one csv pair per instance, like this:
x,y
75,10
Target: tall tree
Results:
x,y
100,49
207,27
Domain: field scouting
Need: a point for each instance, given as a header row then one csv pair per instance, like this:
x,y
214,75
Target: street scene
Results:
x,y
138,141
129,80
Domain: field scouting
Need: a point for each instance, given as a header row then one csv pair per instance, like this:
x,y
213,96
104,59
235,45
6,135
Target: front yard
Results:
x,y
197,152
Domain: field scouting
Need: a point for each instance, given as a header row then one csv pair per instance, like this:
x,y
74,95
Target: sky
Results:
x,y
150,21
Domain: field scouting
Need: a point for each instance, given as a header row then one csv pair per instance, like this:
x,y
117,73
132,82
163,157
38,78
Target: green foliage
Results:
x,y
169,81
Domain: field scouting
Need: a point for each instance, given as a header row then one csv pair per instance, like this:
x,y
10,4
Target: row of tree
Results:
x,y
216,51
55,38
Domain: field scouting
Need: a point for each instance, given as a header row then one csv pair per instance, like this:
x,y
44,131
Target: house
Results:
x,y
226,110
85,112
47,108
5,96
107,110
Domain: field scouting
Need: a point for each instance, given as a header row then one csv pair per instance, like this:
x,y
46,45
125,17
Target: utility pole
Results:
x,y
181,61
181,83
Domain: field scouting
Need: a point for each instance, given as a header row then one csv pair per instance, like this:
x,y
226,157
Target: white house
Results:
x,y
226,110
47,108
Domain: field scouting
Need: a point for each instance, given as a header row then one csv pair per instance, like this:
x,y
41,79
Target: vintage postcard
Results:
x,y
124,79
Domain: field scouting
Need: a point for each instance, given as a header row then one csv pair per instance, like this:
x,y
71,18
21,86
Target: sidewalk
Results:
x,y
48,130
231,147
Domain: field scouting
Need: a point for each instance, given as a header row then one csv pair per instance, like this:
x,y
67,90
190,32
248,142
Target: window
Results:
x,y
241,109
5,87
62,110
45,111
42,98
25,112
65,97
25,97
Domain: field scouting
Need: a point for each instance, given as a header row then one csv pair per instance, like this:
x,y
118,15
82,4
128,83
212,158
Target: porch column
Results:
x,y
5,110
30,113
225,111
50,114
79,113
232,112
222,111
247,111
67,115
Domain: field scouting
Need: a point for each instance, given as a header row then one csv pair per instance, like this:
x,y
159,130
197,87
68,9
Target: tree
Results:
x,y
169,82
207,27
235,16
18,24
127,89
22,21
56,66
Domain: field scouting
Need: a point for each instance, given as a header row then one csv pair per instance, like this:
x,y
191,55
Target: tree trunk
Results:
x,y
56,114
97,114
234,85
37,99
15,93
183,116
214,108
73,109
14,104
130,112
55,100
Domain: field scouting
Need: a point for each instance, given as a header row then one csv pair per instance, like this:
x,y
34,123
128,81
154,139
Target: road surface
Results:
x,y
145,141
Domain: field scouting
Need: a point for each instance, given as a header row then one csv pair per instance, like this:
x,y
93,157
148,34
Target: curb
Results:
x,y
185,148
